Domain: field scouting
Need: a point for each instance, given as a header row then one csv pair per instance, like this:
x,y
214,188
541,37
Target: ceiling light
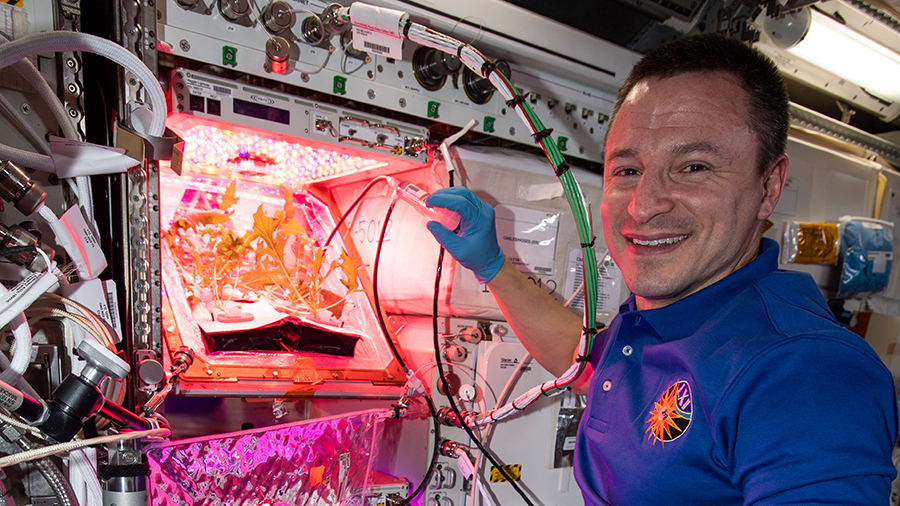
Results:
x,y
836,48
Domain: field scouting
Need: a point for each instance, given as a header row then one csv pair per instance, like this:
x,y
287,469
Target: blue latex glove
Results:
x,y
475,245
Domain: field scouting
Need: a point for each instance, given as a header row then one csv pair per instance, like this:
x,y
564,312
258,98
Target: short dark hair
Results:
x,y
769,106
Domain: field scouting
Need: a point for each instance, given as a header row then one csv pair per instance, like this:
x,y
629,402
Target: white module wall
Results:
x,y
571,77
822,186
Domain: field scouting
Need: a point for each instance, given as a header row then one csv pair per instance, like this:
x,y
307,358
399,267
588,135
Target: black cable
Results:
x,y
350,209
435,453
435,423
15,250
443,379
384,330
465,426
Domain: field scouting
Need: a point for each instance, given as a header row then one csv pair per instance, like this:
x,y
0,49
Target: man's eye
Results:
x,y
695,167
627,172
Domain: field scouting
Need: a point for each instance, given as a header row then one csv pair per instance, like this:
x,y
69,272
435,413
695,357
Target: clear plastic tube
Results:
x,y
415,196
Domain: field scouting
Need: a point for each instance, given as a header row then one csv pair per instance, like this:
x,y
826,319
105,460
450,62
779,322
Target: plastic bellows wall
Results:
x,y
320,462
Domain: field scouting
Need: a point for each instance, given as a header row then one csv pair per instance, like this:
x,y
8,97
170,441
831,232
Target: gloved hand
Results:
x,y
475,245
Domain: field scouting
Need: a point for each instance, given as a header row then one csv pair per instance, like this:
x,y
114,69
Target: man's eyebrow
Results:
x,y
693,147
621,153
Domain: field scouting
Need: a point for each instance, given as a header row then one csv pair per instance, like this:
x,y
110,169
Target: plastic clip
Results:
x,y
590,244
488,67
543,134
561,169
406,28
516,101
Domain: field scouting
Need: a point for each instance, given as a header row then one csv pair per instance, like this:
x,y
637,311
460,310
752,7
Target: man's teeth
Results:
x,y
657,242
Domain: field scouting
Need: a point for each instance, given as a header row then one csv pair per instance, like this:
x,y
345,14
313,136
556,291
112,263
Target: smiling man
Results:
x,y
722,380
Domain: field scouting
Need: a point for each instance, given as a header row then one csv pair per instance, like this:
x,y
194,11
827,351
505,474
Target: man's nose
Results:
x,y
649,198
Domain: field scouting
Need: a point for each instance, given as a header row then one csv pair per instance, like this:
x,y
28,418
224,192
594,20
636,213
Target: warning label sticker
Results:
x,y
514,471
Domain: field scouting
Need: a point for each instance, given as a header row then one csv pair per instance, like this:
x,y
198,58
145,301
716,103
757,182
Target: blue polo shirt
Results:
x,y
746,392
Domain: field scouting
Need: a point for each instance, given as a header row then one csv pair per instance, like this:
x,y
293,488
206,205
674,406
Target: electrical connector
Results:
x,y
19,189
20,238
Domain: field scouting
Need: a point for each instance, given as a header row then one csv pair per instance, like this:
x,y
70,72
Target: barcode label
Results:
x,y
377,43
377,48
221,90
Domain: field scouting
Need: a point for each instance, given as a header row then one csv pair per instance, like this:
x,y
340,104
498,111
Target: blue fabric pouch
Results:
x,y
867,248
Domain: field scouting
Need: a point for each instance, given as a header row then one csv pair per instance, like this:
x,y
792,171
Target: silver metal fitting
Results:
x,y
16,187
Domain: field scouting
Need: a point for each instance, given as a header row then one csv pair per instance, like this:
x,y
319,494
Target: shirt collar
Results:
x,y
670,321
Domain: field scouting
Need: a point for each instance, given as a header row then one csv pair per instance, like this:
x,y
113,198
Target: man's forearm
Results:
x,y
548,331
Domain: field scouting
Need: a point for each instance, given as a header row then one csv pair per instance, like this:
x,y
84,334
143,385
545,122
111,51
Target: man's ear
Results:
x,y
773,184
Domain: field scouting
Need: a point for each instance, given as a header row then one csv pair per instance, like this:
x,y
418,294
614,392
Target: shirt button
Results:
x,y
607,386
627,350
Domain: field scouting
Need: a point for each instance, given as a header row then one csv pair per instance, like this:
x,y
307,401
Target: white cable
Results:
x,y
85,196
38,453
83,464
489,430
33,75
57,41
34,431
467,469
22,355
63,237
99,324
22,384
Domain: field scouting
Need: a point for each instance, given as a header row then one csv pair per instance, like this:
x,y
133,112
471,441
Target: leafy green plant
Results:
x,y
276,260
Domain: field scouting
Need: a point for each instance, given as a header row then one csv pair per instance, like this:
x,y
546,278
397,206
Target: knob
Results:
x,y
472,335
234,9
278,49
101,362
150,372
279,16
499,330
455,353
468,393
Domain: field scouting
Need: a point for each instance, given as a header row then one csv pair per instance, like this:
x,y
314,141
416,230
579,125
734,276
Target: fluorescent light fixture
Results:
x,y
836,48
